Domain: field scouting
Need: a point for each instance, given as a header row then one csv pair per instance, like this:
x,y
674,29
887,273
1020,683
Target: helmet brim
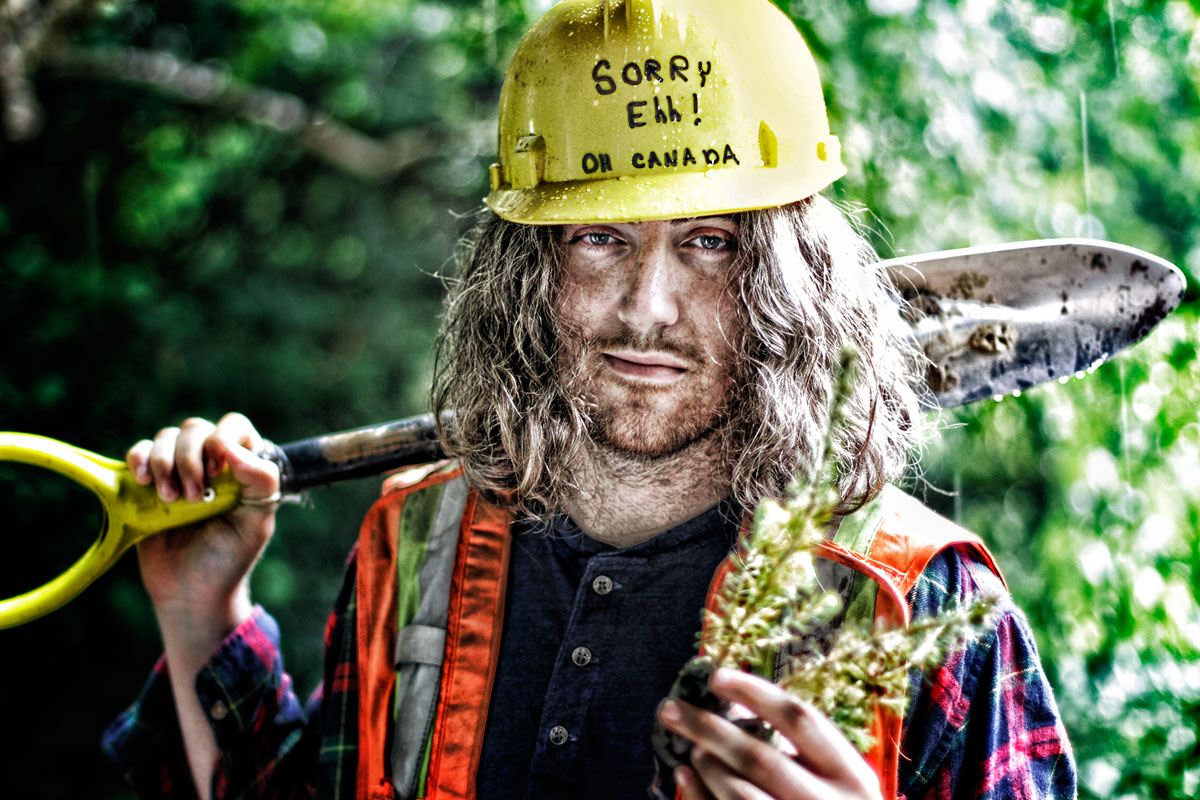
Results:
x,y
679,195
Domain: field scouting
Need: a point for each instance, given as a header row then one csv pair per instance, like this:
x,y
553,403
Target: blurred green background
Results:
x,y
220,205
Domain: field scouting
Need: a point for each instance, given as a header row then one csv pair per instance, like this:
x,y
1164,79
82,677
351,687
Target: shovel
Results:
x,y
991,321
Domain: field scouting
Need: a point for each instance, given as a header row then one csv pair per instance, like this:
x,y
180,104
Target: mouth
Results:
x,y
660,368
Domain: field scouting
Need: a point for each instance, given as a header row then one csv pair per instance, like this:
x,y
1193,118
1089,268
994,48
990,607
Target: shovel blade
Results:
x,y
997,319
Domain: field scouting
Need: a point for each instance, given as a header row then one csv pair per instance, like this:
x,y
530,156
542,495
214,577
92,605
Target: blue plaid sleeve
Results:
x,y
242,687
984,724
144,741
255,715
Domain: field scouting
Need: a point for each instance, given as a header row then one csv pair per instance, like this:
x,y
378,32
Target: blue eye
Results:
x,y
710,241
594,239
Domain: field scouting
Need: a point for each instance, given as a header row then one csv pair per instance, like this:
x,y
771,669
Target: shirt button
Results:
x,y
218,711
558,735
581,656
602,585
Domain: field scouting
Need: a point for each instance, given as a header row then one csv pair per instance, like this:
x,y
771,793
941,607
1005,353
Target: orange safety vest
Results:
x,y
890,541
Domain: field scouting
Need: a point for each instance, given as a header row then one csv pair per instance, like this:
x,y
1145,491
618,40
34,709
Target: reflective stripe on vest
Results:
x,y
876,556
428,541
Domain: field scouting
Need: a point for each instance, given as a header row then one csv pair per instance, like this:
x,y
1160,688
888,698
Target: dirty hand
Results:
x,y
727,762
203,570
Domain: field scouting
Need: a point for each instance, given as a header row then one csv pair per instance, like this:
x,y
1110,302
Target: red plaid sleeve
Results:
x,y
255,715
984,724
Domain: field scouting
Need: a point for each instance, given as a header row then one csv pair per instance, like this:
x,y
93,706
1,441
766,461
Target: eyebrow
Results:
x,y
728,217
674,222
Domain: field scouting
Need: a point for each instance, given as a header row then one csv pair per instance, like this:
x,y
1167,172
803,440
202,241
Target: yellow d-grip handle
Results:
x,y
132,512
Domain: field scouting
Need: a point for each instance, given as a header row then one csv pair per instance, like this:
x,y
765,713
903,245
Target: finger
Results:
x,y
741,753
189,456
258,476
232,428
690,784
138,461
162,464
238,428
818,742
721,781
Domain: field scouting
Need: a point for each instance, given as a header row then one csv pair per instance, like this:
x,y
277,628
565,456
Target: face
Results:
x,y
653,321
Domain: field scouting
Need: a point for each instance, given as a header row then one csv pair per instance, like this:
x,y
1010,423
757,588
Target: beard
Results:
x,y
639,419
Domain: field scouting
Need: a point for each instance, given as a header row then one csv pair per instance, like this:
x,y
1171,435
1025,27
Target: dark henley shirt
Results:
x,y
593,638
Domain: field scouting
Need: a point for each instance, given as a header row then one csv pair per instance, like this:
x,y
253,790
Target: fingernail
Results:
x,y
143,474
670,711
723,677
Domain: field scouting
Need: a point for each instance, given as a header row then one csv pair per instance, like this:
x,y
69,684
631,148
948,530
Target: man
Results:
x,y
641,345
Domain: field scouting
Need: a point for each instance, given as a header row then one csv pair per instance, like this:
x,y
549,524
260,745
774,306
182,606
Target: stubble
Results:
x,y
640,420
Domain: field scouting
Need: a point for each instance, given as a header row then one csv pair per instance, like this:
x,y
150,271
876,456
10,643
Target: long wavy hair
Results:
x,y
807,291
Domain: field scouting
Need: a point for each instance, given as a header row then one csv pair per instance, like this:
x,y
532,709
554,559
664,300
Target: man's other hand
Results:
x,y
729,763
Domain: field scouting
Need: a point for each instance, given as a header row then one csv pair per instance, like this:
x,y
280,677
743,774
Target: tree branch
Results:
x,y
25,36
204,85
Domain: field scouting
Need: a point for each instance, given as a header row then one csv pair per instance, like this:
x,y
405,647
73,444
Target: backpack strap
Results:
x,y
428,543
379,604
475,617
433,567
892,539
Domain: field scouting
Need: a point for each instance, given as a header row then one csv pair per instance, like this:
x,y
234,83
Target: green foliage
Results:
x,y
772,596
160,258
772,600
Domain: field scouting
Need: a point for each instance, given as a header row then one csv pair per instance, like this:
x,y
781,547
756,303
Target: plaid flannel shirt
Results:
x,y
983,725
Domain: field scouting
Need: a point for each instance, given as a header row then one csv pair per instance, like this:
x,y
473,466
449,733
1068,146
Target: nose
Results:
x,y
651,296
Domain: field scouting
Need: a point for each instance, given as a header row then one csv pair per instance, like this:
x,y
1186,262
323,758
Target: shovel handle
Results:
x,y
132,512
356,453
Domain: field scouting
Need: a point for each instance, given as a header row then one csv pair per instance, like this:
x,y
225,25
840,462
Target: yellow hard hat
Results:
x,y
629,110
